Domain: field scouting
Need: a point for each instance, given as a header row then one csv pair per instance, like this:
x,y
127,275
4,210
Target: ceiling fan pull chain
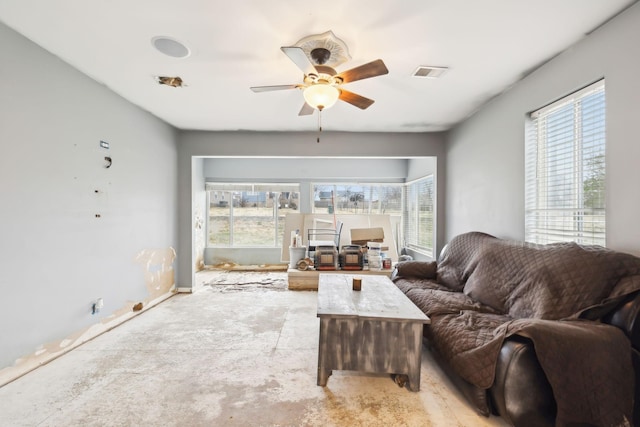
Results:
x,y
319,125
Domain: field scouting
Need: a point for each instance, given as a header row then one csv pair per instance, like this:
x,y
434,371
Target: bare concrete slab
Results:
x,y
226,355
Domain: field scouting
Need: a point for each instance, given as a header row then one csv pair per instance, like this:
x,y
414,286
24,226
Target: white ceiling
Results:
x,y
487,44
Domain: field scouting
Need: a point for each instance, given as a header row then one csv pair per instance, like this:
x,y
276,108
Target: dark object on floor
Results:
x,y
137,307
400,379
539,334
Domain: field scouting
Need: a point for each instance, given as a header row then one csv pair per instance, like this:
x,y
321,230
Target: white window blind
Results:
x,y
419,215
565,170
357,198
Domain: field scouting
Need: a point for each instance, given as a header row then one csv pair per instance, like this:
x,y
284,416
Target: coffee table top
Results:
x,y
378,299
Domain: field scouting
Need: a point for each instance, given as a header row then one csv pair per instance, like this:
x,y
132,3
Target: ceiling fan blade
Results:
x,y
297,55
370,69
355,99
306,110
269,88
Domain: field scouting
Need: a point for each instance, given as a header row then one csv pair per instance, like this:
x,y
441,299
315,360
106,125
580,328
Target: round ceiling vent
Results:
x,y
170,47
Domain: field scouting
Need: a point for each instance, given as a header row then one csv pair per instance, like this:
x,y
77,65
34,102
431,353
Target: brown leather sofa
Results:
x,y
520,391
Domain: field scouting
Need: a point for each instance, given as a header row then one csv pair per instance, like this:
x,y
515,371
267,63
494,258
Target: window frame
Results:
x,y
559,138
366,200
252,187
412,219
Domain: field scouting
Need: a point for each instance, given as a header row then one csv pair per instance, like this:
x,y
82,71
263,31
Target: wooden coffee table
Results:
x,y
377,329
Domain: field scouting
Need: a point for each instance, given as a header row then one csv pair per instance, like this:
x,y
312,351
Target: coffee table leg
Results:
x,y
323,377
323,348
415,358
414,381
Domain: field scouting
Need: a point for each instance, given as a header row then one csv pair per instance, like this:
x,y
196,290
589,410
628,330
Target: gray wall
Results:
x,y
418,168
57,257
485,154
352,146
199,210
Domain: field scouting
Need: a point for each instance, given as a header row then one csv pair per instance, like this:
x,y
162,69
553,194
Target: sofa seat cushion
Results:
x,y
461,330
435,301
470,341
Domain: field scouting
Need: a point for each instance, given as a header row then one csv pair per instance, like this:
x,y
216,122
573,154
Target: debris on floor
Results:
x,y
224,281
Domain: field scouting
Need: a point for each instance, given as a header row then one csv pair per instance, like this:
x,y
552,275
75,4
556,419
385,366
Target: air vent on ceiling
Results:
x,y
424,71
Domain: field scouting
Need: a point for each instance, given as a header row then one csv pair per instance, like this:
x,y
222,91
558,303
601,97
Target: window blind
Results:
x,y
358,198
565,169
418,215
251,187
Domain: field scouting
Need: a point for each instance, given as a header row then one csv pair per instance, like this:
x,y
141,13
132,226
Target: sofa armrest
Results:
x,y
521,393
417,269
626,316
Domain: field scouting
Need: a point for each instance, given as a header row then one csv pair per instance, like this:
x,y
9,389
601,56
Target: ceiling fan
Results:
x,y
322,85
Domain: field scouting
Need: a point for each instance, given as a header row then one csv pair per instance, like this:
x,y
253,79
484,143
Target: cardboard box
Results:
x,y
360,236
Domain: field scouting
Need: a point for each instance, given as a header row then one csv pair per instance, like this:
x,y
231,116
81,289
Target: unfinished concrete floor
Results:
x,y
226,355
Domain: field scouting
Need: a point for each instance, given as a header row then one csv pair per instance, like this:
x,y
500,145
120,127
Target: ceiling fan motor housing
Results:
x,y
326,75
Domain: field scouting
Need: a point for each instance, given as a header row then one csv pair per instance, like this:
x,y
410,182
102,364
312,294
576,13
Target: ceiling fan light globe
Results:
x,y
321,96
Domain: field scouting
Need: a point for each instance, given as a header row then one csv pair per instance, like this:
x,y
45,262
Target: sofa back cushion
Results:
x,y
456,259
554,281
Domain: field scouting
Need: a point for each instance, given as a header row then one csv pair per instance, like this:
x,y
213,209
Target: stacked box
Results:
x,y
360,236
